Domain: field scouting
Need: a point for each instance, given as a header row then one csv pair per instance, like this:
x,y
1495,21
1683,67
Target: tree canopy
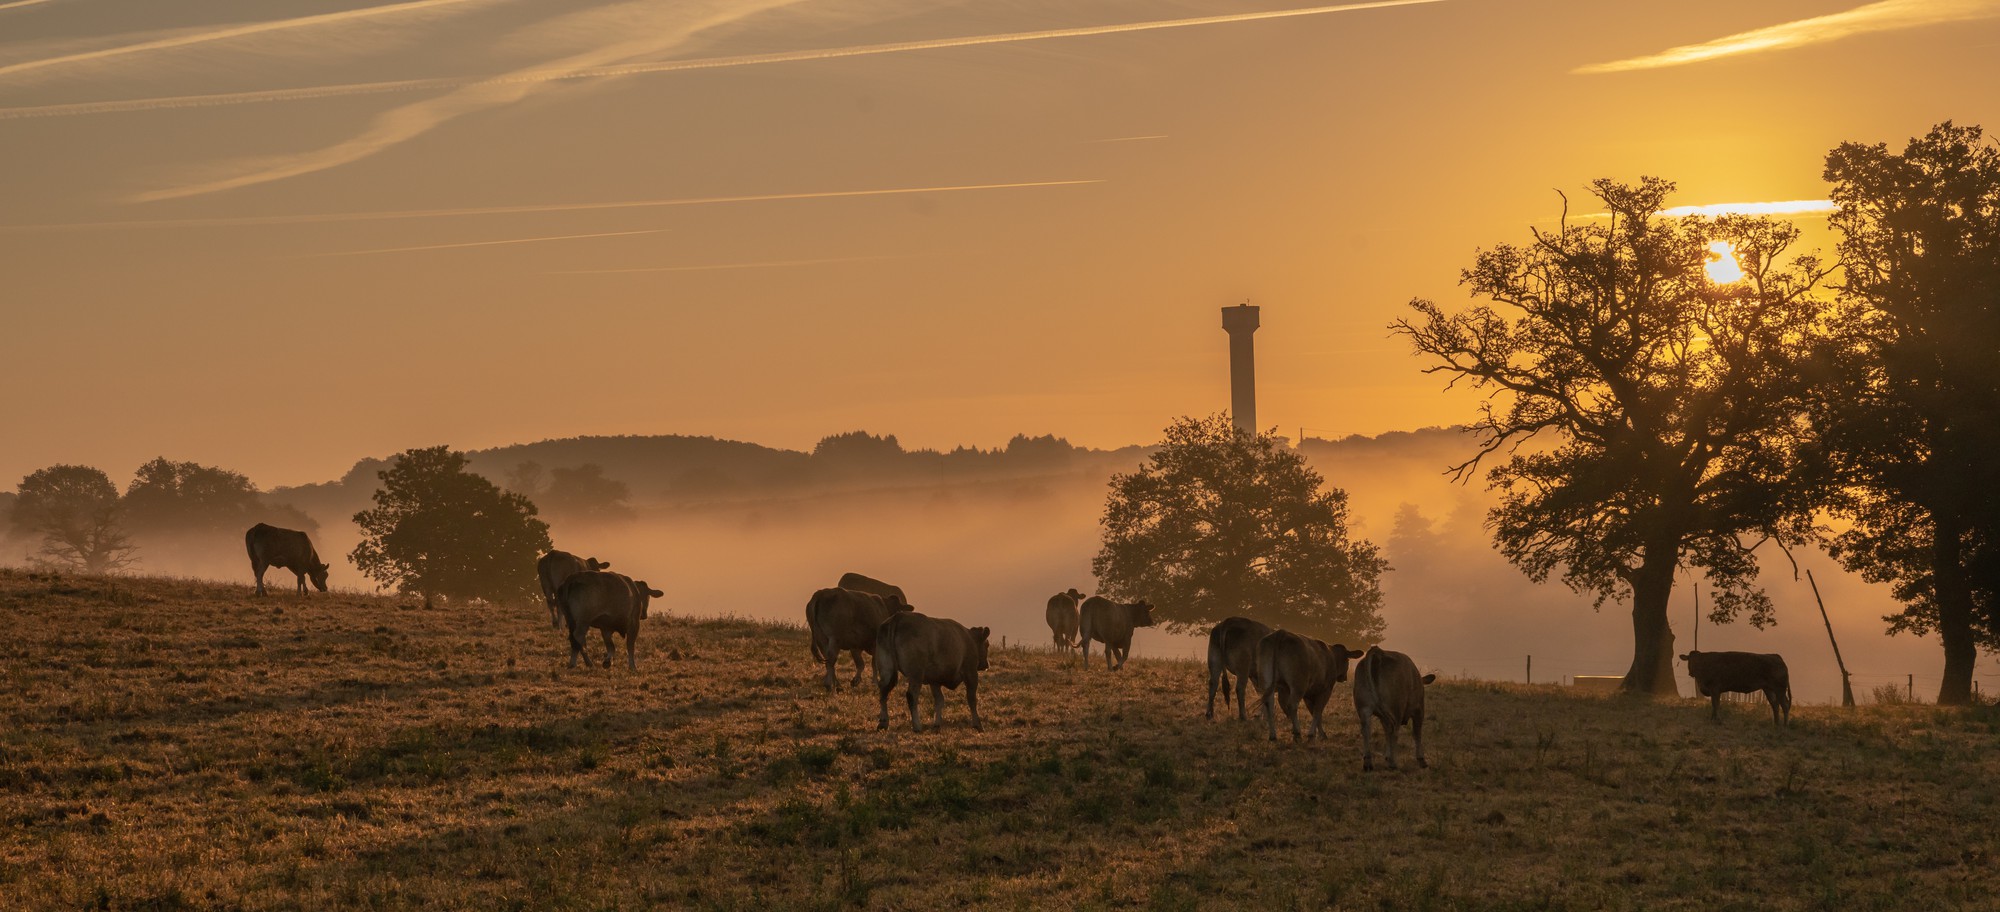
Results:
x,y
438,530
75,511
1647,415
1219,522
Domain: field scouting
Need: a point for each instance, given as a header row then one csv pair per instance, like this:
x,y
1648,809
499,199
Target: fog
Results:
x,y
990,550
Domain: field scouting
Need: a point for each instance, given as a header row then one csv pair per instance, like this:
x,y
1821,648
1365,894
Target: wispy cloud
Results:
x,y
16,4
1126,139
220,34
1882,16
716,267
318,218
559,74
497,243
1778,207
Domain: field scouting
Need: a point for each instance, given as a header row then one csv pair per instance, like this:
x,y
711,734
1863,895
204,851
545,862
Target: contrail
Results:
x,y
20,3
1711,210
713,267
526,240
1882,16
1124,139
667,66
234,31
391,215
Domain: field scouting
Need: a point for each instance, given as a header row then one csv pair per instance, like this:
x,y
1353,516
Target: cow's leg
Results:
x,y
608,648
972,702
1271,713
859,666
1367,743
916,722
1124,651
1771,697
1317,704
631,648
937,706
882,688
1417,734
1214,674
1291,703
1242,688
259,567
576,635
831,656
302,581
1085,660
1715,707
1389,731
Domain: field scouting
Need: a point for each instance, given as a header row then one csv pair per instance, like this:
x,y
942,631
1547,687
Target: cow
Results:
x,y
1386,687
556,566
610,602
845,619
1110,623
1061,615
290,549
1292,667
861,583
936,651
1718,673
1232,649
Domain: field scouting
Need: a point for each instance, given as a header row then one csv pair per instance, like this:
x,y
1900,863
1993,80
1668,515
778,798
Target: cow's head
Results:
x,y
1341,656
1142,613
896,603
645,594
1075,595
318,574
591,563
1689,655
979,637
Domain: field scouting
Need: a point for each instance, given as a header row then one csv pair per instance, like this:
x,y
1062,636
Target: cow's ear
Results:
x,y
982,633
655,593
1684,656
1430,678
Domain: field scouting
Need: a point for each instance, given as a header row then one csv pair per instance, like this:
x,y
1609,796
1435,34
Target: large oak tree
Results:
x,y
1645,415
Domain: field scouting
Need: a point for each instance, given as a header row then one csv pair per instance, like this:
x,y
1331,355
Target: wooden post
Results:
x,y
1531,669
1910,692
1846,685
1697,615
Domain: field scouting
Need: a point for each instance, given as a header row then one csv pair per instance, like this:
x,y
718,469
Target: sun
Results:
x,y
1722,267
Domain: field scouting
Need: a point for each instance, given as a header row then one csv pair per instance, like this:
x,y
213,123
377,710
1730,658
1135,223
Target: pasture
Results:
x,y
174,744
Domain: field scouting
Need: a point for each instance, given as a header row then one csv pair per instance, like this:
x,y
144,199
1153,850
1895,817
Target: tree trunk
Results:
x,y
1954,607
1652,670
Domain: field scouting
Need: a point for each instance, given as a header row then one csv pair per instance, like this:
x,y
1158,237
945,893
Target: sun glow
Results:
x,y
1722,267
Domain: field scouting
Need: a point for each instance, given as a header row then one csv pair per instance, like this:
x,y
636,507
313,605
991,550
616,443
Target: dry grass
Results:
x,y
173,744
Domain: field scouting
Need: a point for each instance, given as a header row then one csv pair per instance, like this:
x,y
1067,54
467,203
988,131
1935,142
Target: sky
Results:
x,y
279,236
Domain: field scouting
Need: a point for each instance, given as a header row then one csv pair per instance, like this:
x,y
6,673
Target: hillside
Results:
x,y
172,744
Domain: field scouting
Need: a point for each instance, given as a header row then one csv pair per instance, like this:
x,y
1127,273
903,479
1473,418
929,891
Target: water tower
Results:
x,y
1241,323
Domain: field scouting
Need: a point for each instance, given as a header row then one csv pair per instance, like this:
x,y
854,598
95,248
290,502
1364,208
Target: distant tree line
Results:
x,y
73,517
1644,416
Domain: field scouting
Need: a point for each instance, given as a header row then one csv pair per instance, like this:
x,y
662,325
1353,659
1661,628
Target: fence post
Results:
x,y
1911,692
1531,669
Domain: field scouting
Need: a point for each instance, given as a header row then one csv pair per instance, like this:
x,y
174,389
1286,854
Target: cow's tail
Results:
x,y
885,652
812,627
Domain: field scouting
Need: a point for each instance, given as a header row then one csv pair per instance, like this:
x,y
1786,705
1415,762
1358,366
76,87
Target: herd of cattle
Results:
x,y
867,617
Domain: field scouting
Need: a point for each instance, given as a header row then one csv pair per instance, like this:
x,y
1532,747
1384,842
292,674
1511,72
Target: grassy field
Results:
x,y
175,744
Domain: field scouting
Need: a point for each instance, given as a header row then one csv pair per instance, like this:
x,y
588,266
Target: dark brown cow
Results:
x,y
289,549
1061,615
1110,623
861,583
1718,673
1232,649
936,651
1386,687
1292,667
557,566
845,619
609,602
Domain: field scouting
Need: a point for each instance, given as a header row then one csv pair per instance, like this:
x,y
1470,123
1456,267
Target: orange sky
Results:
x,y
178,280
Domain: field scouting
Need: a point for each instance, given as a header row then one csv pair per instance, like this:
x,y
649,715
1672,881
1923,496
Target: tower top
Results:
x,y
1240,318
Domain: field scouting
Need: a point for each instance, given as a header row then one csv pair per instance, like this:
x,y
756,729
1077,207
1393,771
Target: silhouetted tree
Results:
x,y
1910,418
167,495
857,453
527,479
438,530
1662,407
75,512
1220,522
584,493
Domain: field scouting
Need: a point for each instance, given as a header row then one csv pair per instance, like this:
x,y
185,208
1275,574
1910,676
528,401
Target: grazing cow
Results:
x,y
861,583
845,619
936,651
289,549
1232,649
1718,673
557,566
610,602
1386,687
1291,667
1061,615
1110,623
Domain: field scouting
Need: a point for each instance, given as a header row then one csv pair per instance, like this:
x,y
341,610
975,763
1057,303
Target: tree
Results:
x,y
438,530
187,496
584,493
527,479
75,511
1910,416
1649,416
1220,522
